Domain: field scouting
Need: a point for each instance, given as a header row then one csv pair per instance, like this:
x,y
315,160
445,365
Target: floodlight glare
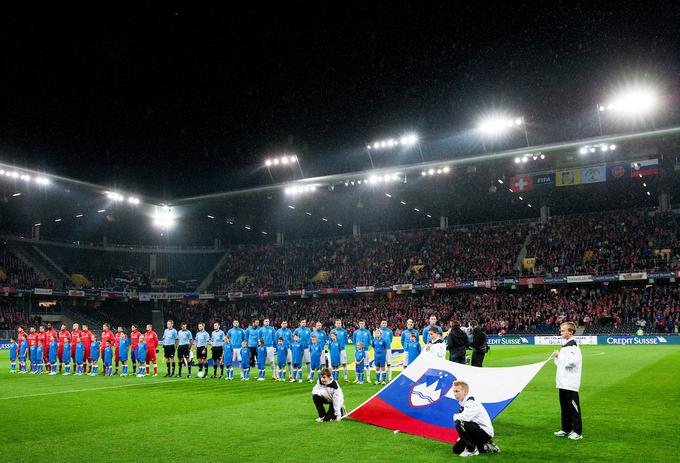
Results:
x,y
517,160
165,218
583,150
634,101
430,172
268,162
446,169
275,161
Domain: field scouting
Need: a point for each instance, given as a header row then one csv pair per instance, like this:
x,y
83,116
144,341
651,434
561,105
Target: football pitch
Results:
x,y
630,397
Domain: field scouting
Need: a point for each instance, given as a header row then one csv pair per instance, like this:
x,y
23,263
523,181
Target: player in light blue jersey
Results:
x,y
79,356
315,350
169,342
108,358
281,359
323,341
142,349
39,351
53,355
252,335
362,335
387,335
406,338
433,323
123,353
412,349
285,333
185,340
343,339
217,340
237,335
261,359
297,354
359,363
334,351
202,340
23,350
94,355
245,361
379,356
13,346
305,335
268,336
226,355
66,358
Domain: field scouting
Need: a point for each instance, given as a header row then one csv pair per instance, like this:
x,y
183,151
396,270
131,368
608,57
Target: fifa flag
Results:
x,y
420,400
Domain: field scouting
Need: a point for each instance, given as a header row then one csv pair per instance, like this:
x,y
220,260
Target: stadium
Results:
x,y
511,226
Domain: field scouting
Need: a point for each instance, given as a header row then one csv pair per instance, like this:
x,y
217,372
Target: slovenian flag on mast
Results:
x,y
420,400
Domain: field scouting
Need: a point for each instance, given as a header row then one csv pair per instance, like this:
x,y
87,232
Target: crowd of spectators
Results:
x,y
389,258
14,272
593,243
606,242
11,316
501,312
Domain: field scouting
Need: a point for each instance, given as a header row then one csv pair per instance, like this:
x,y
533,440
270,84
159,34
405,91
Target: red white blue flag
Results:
x,y
420,400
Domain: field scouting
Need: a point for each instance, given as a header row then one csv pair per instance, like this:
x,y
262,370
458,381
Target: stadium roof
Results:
x,y
471,191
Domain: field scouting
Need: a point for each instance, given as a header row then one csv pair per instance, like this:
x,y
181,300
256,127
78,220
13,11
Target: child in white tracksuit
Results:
x,y
568,378
473,424
327,391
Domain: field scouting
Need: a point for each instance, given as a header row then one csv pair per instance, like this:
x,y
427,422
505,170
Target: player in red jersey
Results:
x,y
107,335
43,341
151,339
64,338
86,338
135,334
120,334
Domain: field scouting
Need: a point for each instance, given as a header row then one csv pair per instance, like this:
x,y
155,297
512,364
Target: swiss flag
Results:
x,y
519,184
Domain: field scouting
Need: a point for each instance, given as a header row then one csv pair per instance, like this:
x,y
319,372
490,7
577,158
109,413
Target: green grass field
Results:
x,y
630,398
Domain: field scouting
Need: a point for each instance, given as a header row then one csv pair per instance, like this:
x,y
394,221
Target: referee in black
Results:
x,y
479,345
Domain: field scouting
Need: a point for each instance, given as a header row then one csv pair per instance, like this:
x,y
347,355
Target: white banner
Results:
x,y
559,340
404,287
42,291
365,289
580,279
633,276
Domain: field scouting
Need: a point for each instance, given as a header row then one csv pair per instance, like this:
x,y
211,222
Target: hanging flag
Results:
x,y
420,400
519,184
593,174
644,168
547,179
568,177
618,171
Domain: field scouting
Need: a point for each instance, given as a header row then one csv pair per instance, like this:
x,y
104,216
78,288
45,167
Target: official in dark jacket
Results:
x,y
479,344
457,343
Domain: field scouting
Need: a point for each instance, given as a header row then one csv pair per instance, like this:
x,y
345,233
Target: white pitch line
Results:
x,y
87,390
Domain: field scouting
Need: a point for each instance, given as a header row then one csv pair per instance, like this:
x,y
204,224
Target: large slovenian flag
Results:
x,y
420,400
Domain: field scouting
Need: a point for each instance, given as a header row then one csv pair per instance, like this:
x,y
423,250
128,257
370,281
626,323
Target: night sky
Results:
x,y
173,102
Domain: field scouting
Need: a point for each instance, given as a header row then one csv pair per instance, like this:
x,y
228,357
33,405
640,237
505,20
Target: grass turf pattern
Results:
x,y
630,397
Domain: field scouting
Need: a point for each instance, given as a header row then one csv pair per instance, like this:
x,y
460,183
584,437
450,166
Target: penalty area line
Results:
x,y
72,391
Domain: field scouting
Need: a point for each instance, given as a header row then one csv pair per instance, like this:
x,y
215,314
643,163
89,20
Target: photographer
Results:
x,y
457,343
479,344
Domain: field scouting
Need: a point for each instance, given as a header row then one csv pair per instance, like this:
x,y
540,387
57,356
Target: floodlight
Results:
x,y
446,169
430,171
583,150
517,160
268,162
275,161
634,101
